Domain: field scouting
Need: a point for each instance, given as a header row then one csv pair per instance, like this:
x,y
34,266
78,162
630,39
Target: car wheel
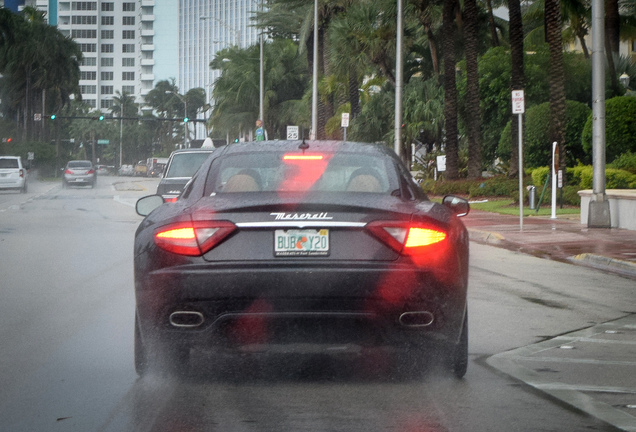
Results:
x,y
141,354
458,353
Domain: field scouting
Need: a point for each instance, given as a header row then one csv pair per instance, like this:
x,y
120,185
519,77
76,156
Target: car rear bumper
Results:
x,y
12,183
232,307
82,179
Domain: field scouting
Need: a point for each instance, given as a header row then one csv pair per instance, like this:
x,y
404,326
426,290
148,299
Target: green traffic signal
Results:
x,y
53,116
185,120
101,117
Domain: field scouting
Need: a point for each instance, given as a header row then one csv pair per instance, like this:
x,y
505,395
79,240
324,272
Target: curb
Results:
x,y
485,236
605,263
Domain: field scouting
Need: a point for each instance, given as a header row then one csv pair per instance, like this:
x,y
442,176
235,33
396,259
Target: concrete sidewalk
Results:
x,y
593,369
562,239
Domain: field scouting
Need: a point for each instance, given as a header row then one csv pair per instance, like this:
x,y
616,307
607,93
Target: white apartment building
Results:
x,y
117,39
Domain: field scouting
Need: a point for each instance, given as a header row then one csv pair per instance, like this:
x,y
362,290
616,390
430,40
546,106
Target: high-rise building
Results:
x,y
206,27
117,40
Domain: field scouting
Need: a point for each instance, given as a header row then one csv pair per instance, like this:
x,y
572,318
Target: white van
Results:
x,y
12,174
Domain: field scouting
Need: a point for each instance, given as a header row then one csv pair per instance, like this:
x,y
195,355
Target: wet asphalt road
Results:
x,y
66,326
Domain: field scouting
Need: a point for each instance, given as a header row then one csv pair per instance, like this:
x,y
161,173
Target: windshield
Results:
x,y
186,164
282,172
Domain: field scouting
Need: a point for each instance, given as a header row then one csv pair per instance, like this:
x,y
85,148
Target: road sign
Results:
x,y
345,120
292,132
518,102
30,155
37,117
259,123
103,142
441,163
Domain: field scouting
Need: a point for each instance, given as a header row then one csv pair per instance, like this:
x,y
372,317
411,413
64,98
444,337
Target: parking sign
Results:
x,y
518,102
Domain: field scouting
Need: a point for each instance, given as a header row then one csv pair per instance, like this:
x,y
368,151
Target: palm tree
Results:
x,y
450,90
473,110
35,60
517,81
124,105
557,79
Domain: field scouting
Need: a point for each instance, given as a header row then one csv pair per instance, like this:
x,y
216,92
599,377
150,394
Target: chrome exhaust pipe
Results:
x,y
186,319
416,319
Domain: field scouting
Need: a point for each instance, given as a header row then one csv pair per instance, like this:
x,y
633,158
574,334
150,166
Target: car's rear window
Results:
x,y
186,164
296,172
9,163
79,164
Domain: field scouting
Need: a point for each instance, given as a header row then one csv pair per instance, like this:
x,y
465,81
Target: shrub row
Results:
x,y
581,176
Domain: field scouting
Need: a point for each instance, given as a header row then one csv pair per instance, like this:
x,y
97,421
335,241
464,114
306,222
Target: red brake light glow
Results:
x,y
423,237
302,157
406,238
193,238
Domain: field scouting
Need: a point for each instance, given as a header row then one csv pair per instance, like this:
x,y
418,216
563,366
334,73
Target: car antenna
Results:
x,y
303,145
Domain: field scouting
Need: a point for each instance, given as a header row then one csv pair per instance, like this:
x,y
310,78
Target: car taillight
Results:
x,y
170,199
21,172
91,172
408,238
193,238
68,171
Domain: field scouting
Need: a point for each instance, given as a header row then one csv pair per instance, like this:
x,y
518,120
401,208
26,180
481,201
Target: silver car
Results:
x,y
79,173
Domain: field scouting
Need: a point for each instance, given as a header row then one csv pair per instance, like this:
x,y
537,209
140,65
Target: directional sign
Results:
x,y
103,142
518,102
292,132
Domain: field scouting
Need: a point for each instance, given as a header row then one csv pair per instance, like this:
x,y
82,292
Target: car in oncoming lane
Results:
x,y
181,166
79,173
301,247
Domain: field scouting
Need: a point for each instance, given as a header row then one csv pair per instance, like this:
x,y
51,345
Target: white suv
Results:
x,y
12,174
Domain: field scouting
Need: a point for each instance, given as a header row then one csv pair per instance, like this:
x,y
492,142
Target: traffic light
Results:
x,y
101,117
185,119
53,116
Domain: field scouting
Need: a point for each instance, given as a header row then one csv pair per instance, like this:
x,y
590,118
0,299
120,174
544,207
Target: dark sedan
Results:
x,y
181,166
301,246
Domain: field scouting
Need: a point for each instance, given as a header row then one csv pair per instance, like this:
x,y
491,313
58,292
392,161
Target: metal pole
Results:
x,y
599,212
261,99
553,171
185,123
121,135
314,90
399,65
519,117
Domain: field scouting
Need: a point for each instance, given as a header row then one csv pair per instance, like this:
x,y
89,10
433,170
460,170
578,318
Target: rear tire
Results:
x,y
141,354
458,353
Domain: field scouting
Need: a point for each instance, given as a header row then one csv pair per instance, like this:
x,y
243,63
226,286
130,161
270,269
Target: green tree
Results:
x,y
537,147
236,91
620,128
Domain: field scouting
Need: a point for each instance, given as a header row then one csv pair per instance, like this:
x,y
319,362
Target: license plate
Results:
x,y
301,242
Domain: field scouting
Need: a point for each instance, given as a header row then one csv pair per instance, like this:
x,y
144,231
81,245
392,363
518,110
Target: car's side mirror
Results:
x,y
457,205
147,204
